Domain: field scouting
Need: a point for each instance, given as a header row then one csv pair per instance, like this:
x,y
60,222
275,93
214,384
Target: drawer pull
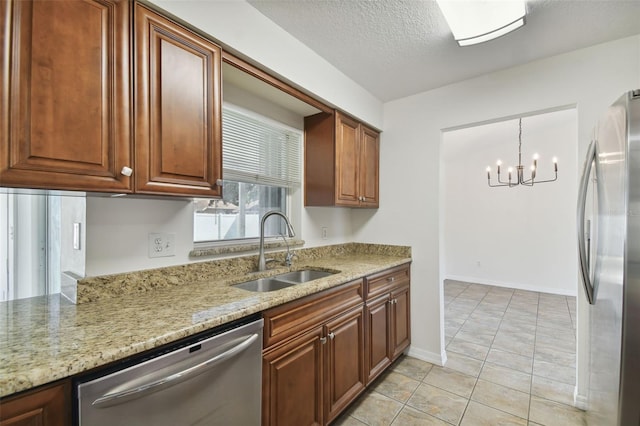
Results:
x,y
391,279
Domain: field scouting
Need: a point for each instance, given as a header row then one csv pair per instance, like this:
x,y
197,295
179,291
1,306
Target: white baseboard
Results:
x,y
432,357
580,401
518,286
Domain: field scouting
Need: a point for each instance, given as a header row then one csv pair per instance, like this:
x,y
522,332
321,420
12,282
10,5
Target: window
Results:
x,y
29,245
261,170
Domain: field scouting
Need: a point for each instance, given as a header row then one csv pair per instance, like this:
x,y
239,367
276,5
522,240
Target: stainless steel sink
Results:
x,y
281,281
264,284
304,275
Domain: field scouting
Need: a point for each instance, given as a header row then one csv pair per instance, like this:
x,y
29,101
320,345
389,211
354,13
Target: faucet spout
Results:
x,y
262,264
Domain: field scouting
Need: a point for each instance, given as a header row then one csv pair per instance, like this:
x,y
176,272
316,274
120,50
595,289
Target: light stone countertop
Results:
x,y
43,339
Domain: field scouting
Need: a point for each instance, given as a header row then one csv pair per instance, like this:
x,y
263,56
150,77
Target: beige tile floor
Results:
x,y
511,361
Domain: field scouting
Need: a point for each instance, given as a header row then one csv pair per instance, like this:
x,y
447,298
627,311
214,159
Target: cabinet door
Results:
x,y
65,89
347,161
178,130
50,406
400,321
369,167
292,382
345,361
378,339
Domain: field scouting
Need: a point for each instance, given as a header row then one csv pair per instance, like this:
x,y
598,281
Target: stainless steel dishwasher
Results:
x,y
206,380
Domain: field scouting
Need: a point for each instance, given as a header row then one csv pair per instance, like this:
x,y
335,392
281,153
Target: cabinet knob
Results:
x,y
126,171
332,336
391,279
323,340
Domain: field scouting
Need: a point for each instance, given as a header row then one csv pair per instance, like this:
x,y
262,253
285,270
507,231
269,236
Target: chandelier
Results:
x,y
520,178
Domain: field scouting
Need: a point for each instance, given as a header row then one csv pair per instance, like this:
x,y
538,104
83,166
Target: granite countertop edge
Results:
x,y
57,339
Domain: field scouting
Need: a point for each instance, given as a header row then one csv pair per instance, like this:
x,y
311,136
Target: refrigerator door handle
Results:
x,y
582,200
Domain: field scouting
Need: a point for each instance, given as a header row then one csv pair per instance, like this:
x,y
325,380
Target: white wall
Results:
x,y
521,237
240,27
118,228
410,190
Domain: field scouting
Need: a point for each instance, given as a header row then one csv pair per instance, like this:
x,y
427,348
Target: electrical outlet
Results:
x,y
324,232
162,244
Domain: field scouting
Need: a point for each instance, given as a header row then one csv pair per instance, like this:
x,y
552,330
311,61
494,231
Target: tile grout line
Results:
x,y
533,358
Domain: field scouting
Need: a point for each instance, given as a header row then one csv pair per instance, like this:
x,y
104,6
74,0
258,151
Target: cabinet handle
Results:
x,y
332,336
391,279
126,171
394,301
323,340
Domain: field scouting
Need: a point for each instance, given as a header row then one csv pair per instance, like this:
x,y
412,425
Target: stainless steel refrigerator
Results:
x,y
609,252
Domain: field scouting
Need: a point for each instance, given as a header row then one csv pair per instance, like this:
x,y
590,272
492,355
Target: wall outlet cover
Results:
x,y
162,244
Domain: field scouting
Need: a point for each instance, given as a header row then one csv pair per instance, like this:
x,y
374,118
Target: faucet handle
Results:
x,y
288,260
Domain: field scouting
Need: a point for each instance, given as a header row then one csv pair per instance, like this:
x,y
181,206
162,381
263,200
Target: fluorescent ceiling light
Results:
x,y
477,21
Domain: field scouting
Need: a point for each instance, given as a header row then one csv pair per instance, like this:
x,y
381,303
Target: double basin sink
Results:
x,y
281,281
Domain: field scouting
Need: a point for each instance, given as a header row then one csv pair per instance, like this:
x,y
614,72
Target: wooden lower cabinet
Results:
x,y
388,315
323,350
48,406
345,366
293,381
400,321
378,337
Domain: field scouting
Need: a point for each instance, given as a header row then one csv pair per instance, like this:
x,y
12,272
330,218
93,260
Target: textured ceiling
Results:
x,y
396,48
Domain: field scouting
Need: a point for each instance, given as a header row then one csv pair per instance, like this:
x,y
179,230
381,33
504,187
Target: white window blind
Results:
x,y
258,150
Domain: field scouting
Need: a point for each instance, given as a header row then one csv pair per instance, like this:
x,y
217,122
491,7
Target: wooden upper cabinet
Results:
x,y
178,101
369,167
347,161
65,90
341,162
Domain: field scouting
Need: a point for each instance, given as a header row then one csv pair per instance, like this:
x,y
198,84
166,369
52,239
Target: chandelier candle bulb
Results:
x,y
555,164
488,172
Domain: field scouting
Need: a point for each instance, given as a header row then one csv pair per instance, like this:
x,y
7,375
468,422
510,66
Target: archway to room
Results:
x,y
508,255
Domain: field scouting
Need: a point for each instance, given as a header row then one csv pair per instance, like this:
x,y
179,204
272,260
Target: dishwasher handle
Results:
x,y
111,399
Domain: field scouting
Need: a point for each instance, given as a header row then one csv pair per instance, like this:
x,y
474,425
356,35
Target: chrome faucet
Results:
x,y
262,263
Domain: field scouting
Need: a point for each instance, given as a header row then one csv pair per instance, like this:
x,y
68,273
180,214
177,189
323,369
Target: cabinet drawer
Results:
x,y
382,282
292,318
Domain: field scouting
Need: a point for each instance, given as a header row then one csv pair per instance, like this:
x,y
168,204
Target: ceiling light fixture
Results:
x,y
520,168
477,21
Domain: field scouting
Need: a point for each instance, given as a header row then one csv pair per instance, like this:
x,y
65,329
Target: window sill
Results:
x,y
241,248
